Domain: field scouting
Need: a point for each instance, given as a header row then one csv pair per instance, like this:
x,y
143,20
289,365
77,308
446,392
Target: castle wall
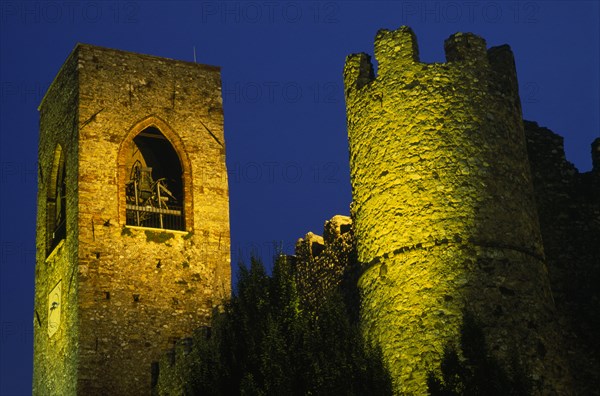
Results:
x,y
138,290
323,264
569,209
443,208
445,218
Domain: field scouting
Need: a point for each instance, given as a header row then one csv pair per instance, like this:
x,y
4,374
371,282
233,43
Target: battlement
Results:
x,y
394,48
397,55
457,207
323,263
465,47
447,119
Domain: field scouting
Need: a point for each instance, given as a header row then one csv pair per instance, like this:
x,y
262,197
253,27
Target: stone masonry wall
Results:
x,y
55,357
138,290
445,221
322,264
569,209
443,209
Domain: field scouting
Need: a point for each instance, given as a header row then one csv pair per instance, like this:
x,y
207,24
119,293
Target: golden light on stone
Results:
x,y
133,218
434,151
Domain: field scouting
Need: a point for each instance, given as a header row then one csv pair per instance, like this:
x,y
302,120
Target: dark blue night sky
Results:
x,y
284,108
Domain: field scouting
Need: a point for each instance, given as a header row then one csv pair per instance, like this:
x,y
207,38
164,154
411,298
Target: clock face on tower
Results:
x,y
54,308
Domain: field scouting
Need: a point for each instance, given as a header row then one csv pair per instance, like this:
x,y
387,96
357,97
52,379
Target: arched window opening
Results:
x,y
154,186
56,203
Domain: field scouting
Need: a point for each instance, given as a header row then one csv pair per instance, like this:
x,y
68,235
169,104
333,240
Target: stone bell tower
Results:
x,y
133,248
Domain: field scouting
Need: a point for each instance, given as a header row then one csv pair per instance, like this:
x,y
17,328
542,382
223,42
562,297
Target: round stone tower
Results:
x,y
443,208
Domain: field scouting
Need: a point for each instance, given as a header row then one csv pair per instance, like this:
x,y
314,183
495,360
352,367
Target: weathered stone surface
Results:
x,y
445,220
443,208
568,204
322,264
127,292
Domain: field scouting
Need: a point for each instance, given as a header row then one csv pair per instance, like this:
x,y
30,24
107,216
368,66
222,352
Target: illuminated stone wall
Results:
x,y
445,221
443,208
127,293
55,358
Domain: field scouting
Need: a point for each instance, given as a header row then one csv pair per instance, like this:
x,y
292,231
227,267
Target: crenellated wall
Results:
x,y
568,204
322,264
443,209
458,207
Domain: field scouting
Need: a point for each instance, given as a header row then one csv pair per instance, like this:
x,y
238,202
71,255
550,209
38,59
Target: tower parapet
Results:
x,y
443,208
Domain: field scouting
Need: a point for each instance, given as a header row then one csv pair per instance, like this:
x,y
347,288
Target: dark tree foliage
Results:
x,y
264,343
478,373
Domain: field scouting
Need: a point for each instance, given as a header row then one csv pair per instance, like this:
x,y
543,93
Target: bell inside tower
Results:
x,y
154,187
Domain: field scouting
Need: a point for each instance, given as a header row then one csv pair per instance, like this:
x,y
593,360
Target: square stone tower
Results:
x,y
133,246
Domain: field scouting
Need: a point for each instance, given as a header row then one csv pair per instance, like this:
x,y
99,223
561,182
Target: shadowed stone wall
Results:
x,y
322,264
569,209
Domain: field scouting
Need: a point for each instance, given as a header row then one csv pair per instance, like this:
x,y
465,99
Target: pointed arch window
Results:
x,y
56,202
154,187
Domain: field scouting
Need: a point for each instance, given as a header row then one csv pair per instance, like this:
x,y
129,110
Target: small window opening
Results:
x,y
154,190
56,203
